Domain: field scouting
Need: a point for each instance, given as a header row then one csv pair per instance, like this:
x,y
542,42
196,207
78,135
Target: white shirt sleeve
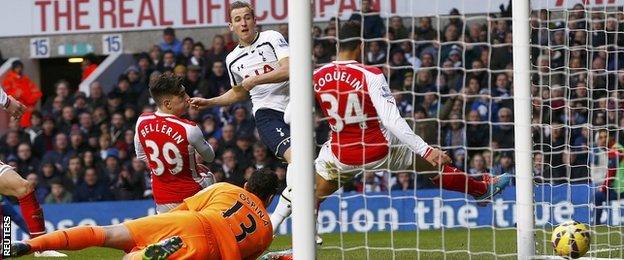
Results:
x,y
3,97
234,78
390,117
196,139
279,43
138,148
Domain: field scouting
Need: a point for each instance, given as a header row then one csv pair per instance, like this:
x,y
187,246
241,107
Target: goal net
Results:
x,y
576,89
450,68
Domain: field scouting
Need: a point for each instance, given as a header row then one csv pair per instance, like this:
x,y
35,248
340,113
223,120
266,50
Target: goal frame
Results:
x,y
525,207
304,229
302,134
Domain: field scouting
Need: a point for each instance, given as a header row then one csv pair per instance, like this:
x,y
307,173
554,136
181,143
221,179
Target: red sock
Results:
x,y
33,215
456,180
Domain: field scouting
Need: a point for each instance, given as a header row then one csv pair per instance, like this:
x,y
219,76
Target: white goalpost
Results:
x,y
522,124
301,93
534,89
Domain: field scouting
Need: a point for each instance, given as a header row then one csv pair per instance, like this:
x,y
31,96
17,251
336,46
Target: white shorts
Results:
x,y
4,168
399,158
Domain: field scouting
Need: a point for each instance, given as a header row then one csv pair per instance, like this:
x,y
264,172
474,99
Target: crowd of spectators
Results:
x,y
453,84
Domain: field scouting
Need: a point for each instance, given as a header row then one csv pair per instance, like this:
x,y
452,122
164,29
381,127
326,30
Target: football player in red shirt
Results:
x,y
168,143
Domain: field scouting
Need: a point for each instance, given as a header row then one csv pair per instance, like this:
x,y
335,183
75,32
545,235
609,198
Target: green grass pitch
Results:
x,y
433,244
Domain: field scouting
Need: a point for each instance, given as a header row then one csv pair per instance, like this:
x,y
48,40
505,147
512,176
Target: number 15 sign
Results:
x,y
112,43
39,48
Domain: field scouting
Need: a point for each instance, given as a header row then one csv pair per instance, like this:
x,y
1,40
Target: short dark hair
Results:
x,y
350,36
240,4
17,63
123,77
199,44
166,84
263,183
91,58
169,31
168,52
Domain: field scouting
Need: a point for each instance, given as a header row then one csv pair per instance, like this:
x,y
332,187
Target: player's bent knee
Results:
x,y
118,236
23,189
287,155
14,185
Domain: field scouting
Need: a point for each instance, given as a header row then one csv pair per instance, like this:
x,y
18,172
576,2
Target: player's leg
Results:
x,y
451,178
283,209
275,134
325,187
77,238
164,208
599,198
12,184
287,155
8,210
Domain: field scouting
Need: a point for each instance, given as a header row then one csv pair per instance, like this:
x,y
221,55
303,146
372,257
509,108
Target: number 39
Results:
x,y
168,148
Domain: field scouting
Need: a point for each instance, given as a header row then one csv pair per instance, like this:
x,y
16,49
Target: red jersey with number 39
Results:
x,y
168,145
342,90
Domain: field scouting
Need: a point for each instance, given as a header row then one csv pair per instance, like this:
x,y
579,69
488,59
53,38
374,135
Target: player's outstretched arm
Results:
x,y
11,105
278,75
138,147
390,117
235,94
14,107
196,138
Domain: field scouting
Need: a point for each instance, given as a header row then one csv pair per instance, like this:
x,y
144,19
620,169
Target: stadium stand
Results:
x,y
81,148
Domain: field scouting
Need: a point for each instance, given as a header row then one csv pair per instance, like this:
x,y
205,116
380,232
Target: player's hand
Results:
x,y
437,157
249,83
602,188
198,103
15,108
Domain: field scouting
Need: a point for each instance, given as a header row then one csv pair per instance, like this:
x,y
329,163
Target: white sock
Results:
x,y
282,210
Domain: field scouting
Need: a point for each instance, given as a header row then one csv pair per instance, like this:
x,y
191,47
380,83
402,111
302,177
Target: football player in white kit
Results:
x,y
258,69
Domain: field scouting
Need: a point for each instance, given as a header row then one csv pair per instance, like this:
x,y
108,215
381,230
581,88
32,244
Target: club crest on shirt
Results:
x,y
282,43
262,55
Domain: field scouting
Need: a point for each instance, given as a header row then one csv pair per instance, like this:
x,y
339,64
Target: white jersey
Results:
x,y
262,56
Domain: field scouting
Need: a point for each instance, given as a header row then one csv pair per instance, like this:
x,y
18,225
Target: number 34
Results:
x,y
354,113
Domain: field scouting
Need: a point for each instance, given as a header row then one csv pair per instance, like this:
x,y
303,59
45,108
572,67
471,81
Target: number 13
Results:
x,y
246,229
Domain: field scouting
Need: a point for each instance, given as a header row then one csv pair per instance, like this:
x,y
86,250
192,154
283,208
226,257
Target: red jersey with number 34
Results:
x,y
362,113
168,145
342,92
